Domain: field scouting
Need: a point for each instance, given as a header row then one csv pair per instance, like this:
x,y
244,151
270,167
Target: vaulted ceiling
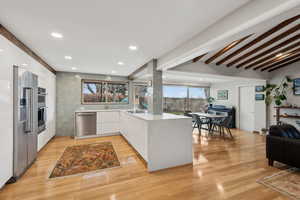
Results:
x,y
268,50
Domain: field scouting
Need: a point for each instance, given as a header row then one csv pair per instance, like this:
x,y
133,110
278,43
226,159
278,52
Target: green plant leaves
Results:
x,y
278,93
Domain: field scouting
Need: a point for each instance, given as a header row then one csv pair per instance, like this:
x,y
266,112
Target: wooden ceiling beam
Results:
x,y
284,65
199,57
12,38
260,38
286,42
279,58
225,49
278,62
266,44
273,55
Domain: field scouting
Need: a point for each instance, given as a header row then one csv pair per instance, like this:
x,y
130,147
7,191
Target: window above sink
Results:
x,y
104,92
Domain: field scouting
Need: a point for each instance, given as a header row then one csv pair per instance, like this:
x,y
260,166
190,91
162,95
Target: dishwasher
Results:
x,y
85,124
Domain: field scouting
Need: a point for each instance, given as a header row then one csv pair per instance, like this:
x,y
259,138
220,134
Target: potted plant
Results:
x,y
210,100
278,93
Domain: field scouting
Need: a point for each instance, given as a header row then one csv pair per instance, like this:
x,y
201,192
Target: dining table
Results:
x,y
211,117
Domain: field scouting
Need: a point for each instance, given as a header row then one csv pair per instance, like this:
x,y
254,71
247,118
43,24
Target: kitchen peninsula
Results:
x,y
156,138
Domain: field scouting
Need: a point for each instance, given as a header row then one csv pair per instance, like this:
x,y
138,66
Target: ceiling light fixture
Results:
x,y
133,47
74,68
113,72
120,63
1,50
278,55
57,35
24,64
68,57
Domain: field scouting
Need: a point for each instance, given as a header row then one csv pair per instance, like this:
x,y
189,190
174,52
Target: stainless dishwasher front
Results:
x,y
85,124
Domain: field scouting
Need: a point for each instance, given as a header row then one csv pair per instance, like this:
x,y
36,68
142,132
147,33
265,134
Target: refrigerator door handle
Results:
x,y
28,96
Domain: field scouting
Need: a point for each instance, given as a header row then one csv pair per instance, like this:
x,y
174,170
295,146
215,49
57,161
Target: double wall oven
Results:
x,y
42,109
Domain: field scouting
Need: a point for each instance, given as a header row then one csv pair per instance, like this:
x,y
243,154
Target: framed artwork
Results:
x,y
222,95
259,97
297,86
259,88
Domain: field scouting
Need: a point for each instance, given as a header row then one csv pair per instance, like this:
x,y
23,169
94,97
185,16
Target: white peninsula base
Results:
x,y
163,141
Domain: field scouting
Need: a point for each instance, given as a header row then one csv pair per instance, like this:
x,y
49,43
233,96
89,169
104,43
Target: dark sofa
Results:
x,y
283,145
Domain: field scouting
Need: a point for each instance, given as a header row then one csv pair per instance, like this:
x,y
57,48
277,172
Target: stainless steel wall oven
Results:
x,y
42,109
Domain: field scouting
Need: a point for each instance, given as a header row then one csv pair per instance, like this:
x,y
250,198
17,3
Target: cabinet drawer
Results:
x,y
112,127
103,117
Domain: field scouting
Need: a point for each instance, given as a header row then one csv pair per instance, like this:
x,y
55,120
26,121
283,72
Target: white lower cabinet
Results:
x,y
108,122
135,132
45,136
110,127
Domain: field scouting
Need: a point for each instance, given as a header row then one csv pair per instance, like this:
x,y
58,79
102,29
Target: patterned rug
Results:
x,y
286,182
85,158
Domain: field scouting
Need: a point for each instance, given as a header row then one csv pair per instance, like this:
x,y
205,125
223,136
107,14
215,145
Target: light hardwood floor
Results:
x,y
222,169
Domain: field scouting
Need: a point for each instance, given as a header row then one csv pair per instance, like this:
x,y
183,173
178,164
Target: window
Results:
x,y
140,97
104,92
180,98
197,93
175,91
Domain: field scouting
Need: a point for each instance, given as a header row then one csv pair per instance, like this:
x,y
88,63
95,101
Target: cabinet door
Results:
x,y
110,127
99,128
109,116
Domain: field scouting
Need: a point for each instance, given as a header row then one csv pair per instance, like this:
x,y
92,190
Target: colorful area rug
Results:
x,y
85,158
286,182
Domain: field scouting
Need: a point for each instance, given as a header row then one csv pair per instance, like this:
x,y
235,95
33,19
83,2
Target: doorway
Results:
x,y
247,108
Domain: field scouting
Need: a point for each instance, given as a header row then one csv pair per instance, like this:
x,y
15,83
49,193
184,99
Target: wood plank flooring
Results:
x,y
222,169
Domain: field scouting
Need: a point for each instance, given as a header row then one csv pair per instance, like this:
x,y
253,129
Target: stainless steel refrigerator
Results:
x,y
25,120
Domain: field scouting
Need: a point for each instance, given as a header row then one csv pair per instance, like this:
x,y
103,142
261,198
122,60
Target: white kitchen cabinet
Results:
x,y
135,132
48,82
157,137
108,122
110,127
108,116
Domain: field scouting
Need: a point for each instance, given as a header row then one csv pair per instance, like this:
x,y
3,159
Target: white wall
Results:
x,y
12,55
233,99
293,71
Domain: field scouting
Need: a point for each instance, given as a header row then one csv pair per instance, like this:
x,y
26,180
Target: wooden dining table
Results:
x,y
210,116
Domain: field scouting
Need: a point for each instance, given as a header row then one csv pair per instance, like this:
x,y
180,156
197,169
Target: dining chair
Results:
x,y
223,124
199,122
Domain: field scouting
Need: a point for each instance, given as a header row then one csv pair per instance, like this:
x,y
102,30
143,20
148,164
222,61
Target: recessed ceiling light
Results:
x,y
278,55
56,35
24,64
1,50
74,68
68,57
113,72
133,47
120,63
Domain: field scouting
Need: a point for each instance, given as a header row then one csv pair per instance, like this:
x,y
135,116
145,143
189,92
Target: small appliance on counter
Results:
x,y
42,109
25,123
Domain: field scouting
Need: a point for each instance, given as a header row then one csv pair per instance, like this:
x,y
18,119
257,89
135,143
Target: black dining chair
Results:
x,y
223,124
199,122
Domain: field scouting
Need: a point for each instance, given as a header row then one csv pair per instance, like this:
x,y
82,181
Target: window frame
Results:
x,y
83,81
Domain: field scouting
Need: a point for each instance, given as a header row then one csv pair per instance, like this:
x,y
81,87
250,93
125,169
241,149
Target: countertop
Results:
x,y
144,116
151,117
104,110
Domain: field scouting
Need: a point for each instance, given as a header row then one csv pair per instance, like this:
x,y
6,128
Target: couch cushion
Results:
x,y
285,130
291,131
